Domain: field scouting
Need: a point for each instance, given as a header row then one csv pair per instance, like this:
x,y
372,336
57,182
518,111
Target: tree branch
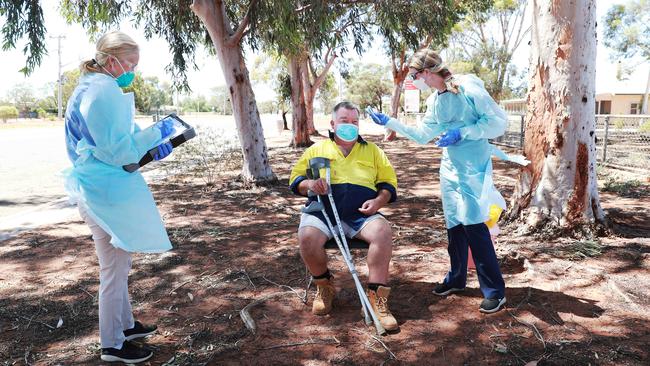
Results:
x,y
319,80
236,37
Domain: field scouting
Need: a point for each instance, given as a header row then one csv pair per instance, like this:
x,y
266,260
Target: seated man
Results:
x,y
362,181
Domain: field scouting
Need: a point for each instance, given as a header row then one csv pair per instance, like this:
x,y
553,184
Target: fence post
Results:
x,y
605,140
521,132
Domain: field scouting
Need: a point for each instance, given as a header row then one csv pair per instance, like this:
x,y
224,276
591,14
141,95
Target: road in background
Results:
x,y
32,159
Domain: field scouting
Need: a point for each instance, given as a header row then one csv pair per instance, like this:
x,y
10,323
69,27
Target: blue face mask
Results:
x,y
347,132
126,78
123,80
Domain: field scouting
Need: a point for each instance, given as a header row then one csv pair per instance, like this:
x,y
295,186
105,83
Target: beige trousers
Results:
x,y
115,314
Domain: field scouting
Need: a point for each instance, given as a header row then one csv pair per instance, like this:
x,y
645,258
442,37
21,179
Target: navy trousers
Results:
x,y
487,267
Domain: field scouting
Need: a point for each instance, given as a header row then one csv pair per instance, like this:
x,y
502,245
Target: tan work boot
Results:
x,y
379,303
325,293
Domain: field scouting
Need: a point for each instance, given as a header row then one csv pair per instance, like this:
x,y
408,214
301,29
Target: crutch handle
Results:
x,y
313,172
314,206
319,163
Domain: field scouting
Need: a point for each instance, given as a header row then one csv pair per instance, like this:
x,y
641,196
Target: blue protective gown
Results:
x,y
101,137
466,167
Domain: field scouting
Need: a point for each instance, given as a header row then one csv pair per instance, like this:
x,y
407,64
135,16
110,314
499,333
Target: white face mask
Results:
x,y
420,84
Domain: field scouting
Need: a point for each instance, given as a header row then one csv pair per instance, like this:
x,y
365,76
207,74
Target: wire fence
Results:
x,y
622,141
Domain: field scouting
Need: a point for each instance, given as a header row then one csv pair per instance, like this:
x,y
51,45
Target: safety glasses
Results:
x,y
414,75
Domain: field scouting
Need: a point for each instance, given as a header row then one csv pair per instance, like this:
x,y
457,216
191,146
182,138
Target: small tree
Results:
x,y
328,94
8,112
627,32
487,39
22,96
220,100
368,85
70,82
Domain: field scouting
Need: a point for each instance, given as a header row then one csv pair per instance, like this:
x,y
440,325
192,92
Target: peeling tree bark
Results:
x,y
559,186
227,44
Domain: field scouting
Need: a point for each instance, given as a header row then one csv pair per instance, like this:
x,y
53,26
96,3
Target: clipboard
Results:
x,y
176,140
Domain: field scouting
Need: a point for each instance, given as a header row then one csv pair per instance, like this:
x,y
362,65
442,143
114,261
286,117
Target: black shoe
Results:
x,y
139,330
491,305
129,353
443,289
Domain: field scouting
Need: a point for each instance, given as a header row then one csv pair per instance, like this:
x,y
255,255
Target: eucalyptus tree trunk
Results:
x,y
227,45
299,115
311,82
559,188
399,70
310,94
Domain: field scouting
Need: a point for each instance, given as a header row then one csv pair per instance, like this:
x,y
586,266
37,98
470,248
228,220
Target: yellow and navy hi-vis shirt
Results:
x,y
354,179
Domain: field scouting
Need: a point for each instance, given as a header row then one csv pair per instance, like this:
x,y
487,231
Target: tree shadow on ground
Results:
x,y
235,244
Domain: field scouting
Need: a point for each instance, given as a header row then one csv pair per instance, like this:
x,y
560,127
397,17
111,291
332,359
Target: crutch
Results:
x,y
313,172
317,206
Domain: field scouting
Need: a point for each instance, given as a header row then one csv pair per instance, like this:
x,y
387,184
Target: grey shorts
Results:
x,y
313,221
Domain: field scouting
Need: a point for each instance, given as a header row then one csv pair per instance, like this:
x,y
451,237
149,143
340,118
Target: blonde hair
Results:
x,y
427,58
116,44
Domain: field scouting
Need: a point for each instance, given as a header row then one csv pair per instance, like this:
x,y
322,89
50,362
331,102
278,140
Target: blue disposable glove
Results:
x,y
163,150
166,127
449,138
377,117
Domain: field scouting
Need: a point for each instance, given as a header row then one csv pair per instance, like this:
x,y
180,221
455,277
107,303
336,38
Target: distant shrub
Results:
x,y
41,113
7,112
619,124
645,127
630,188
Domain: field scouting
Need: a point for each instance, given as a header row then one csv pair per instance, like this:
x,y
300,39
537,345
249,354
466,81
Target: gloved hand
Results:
x,y
166,127
377,117
449,138
163,150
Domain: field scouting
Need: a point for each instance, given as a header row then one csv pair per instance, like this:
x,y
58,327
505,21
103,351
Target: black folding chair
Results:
x,y
352,244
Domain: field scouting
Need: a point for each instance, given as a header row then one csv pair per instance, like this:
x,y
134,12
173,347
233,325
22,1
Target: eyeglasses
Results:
x,y
414,75
130,65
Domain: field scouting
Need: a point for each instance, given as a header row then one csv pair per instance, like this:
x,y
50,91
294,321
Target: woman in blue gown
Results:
x,y
102,137
464,116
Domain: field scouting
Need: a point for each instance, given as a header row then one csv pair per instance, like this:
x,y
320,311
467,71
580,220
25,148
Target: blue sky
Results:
x,y
155,55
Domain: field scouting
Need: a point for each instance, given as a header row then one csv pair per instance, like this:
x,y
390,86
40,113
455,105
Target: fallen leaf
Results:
x,y
501,348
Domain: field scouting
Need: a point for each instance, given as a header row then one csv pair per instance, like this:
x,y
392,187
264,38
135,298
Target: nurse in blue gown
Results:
x,y
118,207
464,116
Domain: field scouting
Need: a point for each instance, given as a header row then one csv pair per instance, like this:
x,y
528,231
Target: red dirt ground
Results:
x,y
569,303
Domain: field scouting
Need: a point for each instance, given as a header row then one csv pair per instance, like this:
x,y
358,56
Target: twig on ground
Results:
x,y
245,315
26,358
311,341
525,299
37,321
30,319
249,279
179,286
89,294
302,298
538,335
378,340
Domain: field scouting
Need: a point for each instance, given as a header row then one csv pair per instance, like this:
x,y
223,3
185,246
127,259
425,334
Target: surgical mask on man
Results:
x,y
420,84
347,132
